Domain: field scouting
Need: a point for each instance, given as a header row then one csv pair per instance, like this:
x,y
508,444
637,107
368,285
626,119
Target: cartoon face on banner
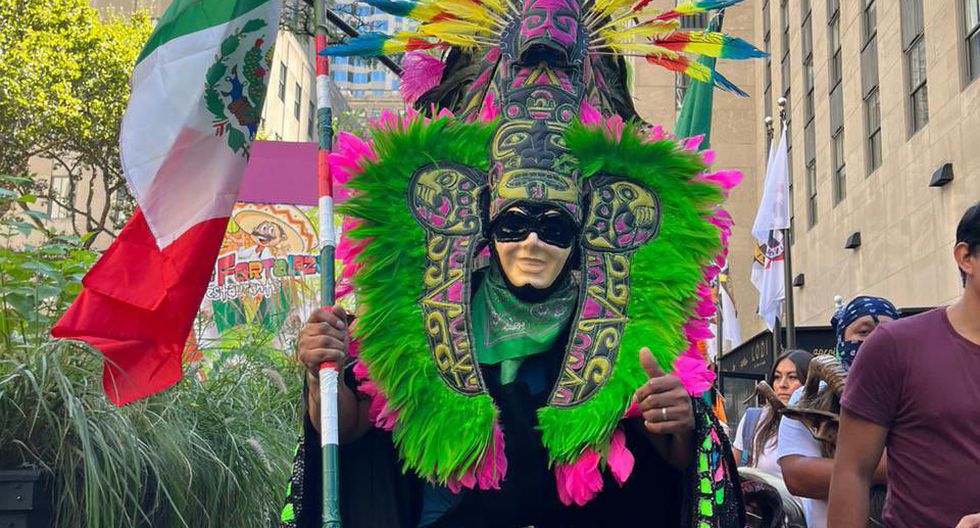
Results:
x,y
267,273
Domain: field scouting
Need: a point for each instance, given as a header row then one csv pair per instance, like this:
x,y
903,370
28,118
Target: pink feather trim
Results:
x,y
488,472
589,115
694,373
420,73
620,460
580,481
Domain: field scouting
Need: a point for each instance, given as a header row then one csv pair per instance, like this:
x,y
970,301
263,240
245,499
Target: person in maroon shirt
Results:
x,y
915,390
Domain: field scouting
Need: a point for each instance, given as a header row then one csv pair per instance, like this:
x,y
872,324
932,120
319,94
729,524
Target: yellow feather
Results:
x,y
465,10
705,43
688,8
496,5
698,72
604,8
455,32
426,12
651,29
643,48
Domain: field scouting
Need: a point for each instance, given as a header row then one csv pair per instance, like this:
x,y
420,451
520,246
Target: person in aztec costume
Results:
x,y
514,243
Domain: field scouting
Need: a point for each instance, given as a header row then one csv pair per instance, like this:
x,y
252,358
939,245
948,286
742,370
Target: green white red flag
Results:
x,y
197,94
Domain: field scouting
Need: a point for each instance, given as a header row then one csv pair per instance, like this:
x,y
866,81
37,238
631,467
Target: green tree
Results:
x,y
64,85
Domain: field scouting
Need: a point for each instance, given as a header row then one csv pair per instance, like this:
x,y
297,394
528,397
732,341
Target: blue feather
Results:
x,y
366,45
397,8
721,82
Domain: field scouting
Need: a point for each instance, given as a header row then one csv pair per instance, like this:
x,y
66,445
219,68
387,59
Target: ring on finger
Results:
x,y
663,414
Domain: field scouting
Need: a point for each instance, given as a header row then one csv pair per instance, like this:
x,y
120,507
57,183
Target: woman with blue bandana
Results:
x,y
805,470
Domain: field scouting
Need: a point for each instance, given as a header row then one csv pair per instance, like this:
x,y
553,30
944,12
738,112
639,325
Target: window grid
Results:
x,y
872,110
870,20
811,193
311,122
833,38
681,84
785,63
61,189
840,182
918,90
282,81
913,43
972,12
298,103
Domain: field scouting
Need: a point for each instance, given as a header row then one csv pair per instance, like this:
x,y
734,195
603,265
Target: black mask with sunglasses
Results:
x,y
553,226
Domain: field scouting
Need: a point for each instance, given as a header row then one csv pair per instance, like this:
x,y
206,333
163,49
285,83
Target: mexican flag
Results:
x,y
197,94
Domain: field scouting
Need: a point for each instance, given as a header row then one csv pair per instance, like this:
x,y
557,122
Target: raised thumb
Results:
x,y
650,364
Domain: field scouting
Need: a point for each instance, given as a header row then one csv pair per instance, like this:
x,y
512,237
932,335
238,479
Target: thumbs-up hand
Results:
x,y
663,400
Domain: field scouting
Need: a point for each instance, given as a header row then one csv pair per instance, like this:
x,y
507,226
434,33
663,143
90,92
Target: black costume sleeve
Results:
x,y
374,493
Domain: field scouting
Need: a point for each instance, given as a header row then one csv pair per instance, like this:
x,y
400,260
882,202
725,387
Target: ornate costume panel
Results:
x,y
445,200
622,216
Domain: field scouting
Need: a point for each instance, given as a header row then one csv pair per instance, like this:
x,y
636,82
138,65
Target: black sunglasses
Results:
x,y
552,226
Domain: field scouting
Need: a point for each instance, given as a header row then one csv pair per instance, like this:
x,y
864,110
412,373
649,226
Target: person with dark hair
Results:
x,y
758,436
806,468
914,391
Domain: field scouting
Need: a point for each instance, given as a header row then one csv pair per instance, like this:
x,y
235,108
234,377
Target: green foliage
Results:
x,y
37,281
205,453
64,86
213,451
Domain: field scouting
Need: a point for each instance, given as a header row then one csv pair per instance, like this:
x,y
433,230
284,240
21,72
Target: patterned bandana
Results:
x,y
859,307
506,330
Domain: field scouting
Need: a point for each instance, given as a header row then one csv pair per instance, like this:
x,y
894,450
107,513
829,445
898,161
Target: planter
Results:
x,y
25,499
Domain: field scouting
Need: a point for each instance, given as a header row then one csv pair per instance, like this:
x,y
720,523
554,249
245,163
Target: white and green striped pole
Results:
x,y
329,373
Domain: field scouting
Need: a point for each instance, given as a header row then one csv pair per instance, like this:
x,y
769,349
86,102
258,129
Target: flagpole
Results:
x,y
787,256
775,330
329,373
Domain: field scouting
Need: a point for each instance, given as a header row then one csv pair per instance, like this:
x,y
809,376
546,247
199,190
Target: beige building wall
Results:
x,y
289,113
907,228
737,138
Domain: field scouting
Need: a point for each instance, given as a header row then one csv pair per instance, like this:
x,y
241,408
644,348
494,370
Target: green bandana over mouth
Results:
x,y
506,330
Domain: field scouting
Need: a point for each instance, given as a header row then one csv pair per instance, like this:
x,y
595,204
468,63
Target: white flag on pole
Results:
x,y
772,218
731,331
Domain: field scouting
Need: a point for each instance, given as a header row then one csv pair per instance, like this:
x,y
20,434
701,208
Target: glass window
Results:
x,y
378,76
785,70
918,91
808,84
60,190
872,111
833,36
311,123
972,12
360,78
870,19
840,186
282,81
298,103
681,83
696,21
811,192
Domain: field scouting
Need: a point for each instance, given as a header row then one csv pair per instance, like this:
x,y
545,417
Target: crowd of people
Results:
x,y
906,452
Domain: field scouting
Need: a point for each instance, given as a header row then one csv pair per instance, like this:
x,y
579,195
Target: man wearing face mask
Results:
x,y
806,471
913,391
